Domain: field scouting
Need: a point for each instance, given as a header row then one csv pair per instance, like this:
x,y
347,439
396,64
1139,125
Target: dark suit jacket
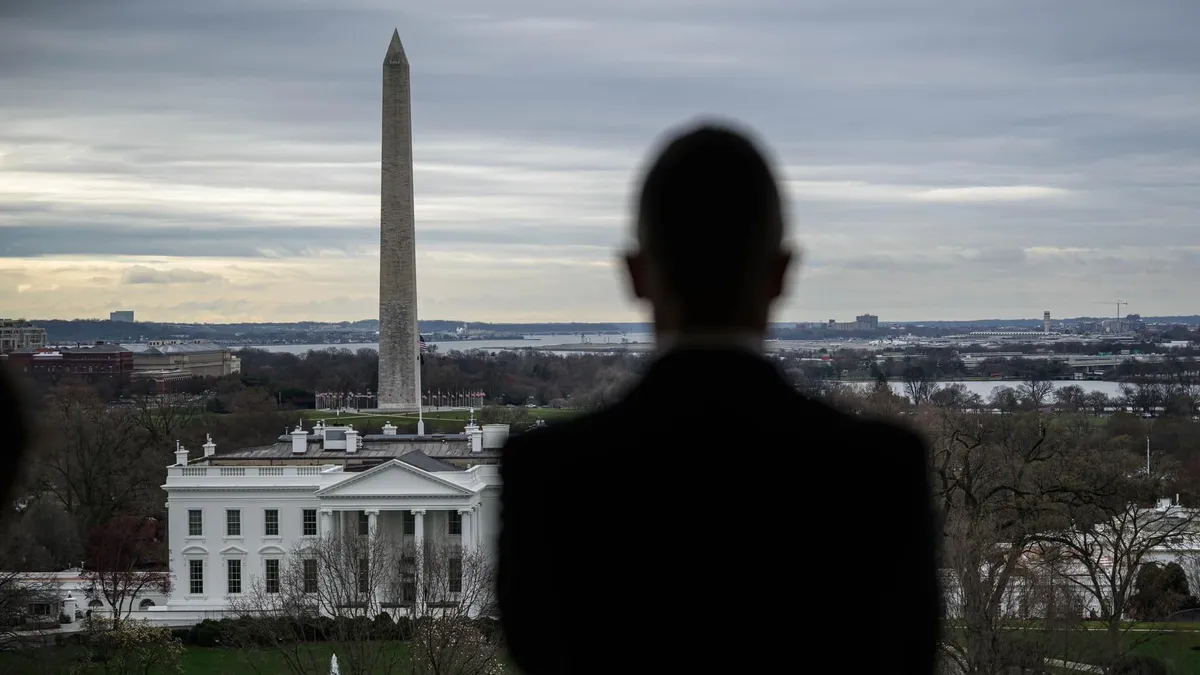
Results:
x,y
715,520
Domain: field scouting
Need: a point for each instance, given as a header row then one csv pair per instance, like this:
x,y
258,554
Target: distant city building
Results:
x,y
864,322
1046,322
124,316
20,334
101,361
867,321
180,359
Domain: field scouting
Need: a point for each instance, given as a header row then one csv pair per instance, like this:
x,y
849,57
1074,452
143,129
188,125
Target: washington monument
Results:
x,y
399,366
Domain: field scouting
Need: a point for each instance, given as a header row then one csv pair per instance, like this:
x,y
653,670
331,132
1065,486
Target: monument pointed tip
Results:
x,y
396,48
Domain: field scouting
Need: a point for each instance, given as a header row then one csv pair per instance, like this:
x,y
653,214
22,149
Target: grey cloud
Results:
x,y
256,242
529,122
140,274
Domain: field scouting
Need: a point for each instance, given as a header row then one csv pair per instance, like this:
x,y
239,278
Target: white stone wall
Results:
x,y
252,491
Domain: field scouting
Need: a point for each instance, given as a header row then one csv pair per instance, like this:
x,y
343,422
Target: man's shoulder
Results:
x,y
581,428
880,436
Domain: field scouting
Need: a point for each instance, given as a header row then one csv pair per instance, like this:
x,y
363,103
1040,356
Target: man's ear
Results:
x,y
780,270
635,267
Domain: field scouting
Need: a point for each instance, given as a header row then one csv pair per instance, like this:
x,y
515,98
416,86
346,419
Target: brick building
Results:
x,y
101,361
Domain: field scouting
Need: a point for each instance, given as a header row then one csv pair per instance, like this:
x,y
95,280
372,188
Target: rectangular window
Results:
x,y
409,523
408,579
271,522
196,577
310,522
310,576
195,523
233,523
454,571
364,578
364,523
234,576
272,575
455,522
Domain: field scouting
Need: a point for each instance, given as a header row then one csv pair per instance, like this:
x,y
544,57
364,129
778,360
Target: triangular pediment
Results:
x,y
394,478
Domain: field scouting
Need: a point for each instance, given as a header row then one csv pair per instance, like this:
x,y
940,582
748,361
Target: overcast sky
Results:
x,y
218,160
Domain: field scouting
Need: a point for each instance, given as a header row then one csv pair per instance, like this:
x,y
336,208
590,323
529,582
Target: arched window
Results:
x,y
146,604
95,604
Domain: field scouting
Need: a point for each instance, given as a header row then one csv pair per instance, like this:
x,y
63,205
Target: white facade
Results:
x,y
66,593
226,520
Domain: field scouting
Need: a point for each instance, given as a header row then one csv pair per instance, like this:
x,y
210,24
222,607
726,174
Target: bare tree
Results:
x,y
364,595
999,481
95,461
920,382
118,552
1004,399
1107,543
457,586
1097,402
1035,391
18,592
957,397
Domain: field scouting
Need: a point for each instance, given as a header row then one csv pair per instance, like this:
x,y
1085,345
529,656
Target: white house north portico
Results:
x,y
236,516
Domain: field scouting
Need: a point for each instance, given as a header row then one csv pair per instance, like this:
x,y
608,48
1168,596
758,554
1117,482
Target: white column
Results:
x,y
373,571
467,530
326,523
477,525
419,555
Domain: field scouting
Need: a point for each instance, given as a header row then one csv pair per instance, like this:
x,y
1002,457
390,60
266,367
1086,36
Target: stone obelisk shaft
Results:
x,y
399,367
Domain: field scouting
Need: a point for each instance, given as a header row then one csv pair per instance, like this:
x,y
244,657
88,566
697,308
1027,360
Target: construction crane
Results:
x,y
1118,303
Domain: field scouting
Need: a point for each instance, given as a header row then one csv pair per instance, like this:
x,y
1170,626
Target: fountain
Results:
x,y
333,666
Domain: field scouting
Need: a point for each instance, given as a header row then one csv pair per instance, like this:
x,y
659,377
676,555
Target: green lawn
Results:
x,y
201,661
1178,649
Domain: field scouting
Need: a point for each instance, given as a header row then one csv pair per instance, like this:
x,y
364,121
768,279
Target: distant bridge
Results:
x,y
604,336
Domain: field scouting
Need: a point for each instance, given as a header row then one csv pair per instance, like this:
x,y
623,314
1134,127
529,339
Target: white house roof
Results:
x,y
397,478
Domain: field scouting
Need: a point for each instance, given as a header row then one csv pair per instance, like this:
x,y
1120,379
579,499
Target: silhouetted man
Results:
x,y
715,520
14,421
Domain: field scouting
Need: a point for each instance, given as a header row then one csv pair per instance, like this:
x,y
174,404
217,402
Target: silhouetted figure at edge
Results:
x,y
715,520
14,420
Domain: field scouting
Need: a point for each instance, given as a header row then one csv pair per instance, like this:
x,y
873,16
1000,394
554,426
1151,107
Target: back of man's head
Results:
x,y
710,222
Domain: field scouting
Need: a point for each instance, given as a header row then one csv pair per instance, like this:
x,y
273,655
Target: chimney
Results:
x,y
389,429
474,434
210,448
181,454
299,441
352,441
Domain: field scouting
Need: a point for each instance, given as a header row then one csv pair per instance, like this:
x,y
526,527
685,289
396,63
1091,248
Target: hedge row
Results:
x,y
267,631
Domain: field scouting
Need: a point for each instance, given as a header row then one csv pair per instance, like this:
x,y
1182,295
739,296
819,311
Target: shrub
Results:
x,y
133,647
453,646
207,633
1133,664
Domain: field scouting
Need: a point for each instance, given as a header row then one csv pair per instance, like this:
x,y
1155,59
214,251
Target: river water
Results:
x,y
983,388
542,342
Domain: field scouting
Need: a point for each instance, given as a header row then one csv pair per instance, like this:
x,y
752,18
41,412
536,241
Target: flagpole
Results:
x,y
420,376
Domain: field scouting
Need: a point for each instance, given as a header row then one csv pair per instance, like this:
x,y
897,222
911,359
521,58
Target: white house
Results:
x,y
234,516
66,593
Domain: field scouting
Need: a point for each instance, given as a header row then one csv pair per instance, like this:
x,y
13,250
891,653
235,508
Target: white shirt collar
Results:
x,y
739,341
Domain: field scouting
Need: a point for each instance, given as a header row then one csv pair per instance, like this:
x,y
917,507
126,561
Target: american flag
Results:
x,y
421,351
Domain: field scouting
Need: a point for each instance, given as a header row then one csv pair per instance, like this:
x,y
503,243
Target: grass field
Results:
x,y
1177,646
196,661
